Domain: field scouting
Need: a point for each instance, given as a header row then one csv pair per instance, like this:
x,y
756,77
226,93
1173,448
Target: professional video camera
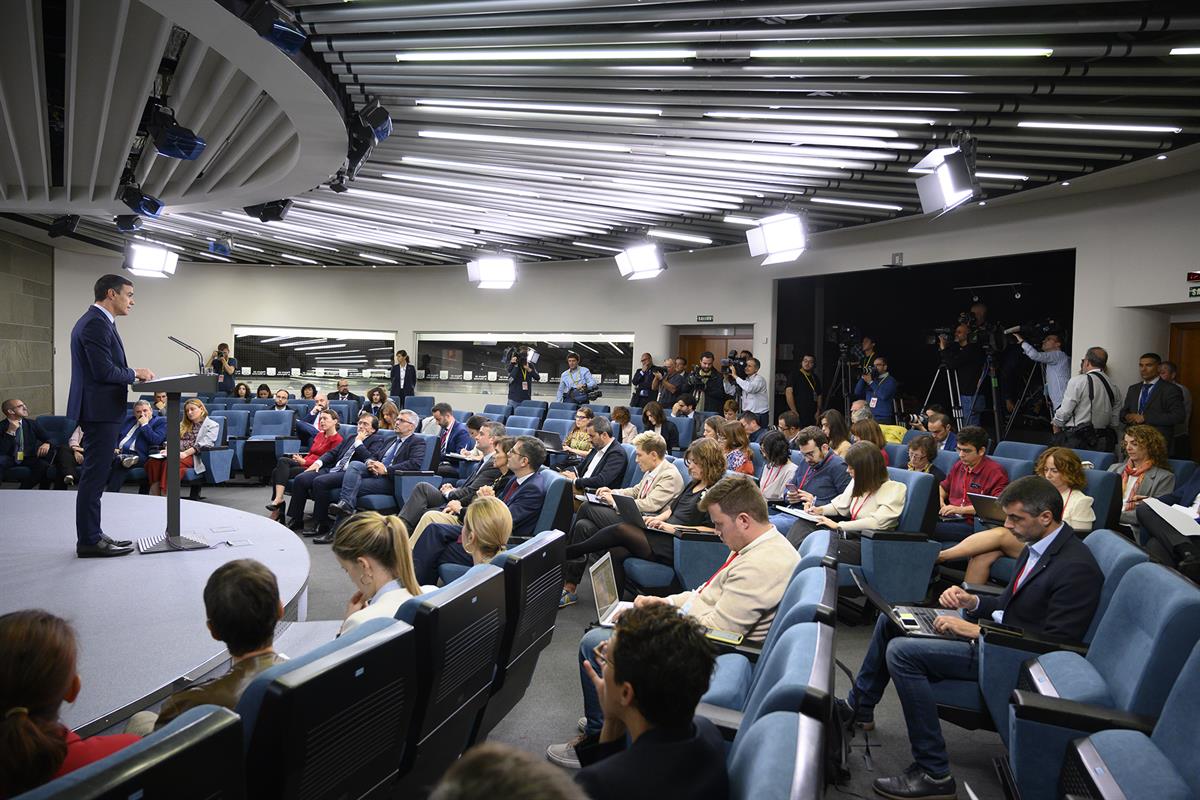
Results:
x,y
847,338
1034,331
945,332
523,353
733,363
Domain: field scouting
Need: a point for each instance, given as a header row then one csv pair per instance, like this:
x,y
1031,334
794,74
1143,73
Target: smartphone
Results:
x,y
725,637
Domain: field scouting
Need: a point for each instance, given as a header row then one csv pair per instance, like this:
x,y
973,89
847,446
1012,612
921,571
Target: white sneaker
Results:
x,y
582,725
564,754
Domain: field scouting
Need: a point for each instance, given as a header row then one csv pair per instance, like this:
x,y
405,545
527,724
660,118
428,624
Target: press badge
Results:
x,y
874,400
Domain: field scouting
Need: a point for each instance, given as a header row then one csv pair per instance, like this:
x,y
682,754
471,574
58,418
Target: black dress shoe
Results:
x,y
116,542
916,784
339,508
324,537
101,549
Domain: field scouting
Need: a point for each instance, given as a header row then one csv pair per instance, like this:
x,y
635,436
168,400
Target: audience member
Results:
x,y
452,438
966,359
834,426
1153,401
789,426
475,424
344,394
824,476
523,493
493,770
655,541
859,411
448,498
575,382
376,397
281,401
521,375
1058,605
741,597
486,528
1088,415
973,473
142,435
374,552
707,385
25,444
223,366
644,380
604,464
578,443
242,607
241,392
655,420
922,452
404,377
714,428
685,406
308,391
878,388
750,422
755,398
730,411
737,448
624,431
654,669
389,412
1164,543
1145,472
197,432
672,384
660,485
404,453
306,421
940,427
451,511
1062,467
38,674
159,404
1181,443
264,392
1057,363
803,392
328,439
68,459
779,471
868,430
325,475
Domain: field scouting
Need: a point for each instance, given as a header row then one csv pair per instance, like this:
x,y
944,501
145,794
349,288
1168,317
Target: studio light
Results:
x,y
951,180
138,201
63,226
492,272
127,223
150,262
273,211
170,138
640,262
368,127
276,25
780,238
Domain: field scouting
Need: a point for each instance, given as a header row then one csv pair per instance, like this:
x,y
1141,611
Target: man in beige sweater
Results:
x,y
741,597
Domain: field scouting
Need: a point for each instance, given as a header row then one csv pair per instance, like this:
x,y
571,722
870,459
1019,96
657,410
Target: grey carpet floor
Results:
x,y
550,709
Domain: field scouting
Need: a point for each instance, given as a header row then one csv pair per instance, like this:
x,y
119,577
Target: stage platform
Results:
x,y
140,618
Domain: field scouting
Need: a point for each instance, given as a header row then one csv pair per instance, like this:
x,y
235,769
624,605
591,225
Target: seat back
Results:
x,y
686,427
1014,468
533,575
558,506
897,455
919,505
681,465
1147,632
431,443
780,757
945,460
302,405
517,421
422,404
1116,555
911,434
757,457
297,715
530,409
632,474
188,746
1183,469
819,548
462,416
1019,451
348,430
497,408
458,632
272,423
241,406
1105,490
810,596
1098,459
1178,728
561,413
261,401
57,428
237,423
600,409
562,427
541,405
563,406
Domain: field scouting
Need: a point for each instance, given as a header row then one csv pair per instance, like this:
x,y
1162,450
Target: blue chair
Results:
x,y
757,459
462,416
600,409
780,757
541,405
557,508
1098,459
945,460
271,430
347,430
491,416
560,405
237,428
1019,451
517,421
632,473
215,405
1147,633
58,428
897,455
911,434
217,461
422,404
403,483
696,557
686,428
1122,759
499,409
513,430
262,402
458,629
1014,468
636,421
347,410
898,563
681,465
562,427
1183,470
561,413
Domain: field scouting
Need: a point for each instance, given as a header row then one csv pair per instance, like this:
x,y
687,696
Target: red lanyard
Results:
x,y
728,561
646,483
855,509
770,474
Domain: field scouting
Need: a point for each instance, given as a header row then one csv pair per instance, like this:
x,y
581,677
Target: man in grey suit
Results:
x,y
1153,401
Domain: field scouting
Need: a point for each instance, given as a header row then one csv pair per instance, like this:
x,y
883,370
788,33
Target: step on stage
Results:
x,y
140,618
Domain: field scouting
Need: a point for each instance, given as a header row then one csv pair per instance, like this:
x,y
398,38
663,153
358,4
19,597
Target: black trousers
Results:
x,y
285,470
849,550
1164,544
64,462
621,541
423,497
588,520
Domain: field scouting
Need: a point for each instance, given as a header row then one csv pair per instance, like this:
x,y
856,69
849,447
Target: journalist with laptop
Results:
x,y
1054,594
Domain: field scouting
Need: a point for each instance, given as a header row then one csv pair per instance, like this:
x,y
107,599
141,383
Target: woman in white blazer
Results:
x,y
375,553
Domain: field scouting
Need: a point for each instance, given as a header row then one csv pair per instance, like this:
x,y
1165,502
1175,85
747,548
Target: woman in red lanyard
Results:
x,y
1062,467
778,468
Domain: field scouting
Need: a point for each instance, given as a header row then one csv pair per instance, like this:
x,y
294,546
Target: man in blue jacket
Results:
x,y
453,437
878,388
323,478
143,434
100,378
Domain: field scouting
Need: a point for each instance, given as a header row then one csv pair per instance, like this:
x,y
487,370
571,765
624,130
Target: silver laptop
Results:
x,y
913,620
553,442
987,507
605,591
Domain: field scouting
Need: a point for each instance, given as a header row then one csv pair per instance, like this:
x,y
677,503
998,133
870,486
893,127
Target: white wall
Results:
x,y
1133,246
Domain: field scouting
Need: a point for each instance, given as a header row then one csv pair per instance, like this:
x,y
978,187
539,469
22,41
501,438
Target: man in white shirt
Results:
x,y
1090,399
754,390
575,381
1057,363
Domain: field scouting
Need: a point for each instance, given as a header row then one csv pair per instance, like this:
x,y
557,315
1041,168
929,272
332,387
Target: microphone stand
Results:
x,y
186,346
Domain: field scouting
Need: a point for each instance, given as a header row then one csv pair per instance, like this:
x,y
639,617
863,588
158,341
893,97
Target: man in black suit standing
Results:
x,y
605,463
1153,401
100,379
1054,594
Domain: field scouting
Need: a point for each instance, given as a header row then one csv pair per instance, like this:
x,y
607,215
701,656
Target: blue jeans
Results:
x,y
591,700
360,481
912,663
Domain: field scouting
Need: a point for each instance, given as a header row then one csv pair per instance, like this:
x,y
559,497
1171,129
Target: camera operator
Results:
x,y
672,383
707,384
645,381
966,358
521,375
803,391
878,388
224,365
1058,365
753,386
576,382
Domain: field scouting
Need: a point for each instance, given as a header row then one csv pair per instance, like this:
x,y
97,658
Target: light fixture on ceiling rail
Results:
x,y
222,245
734,219
127,223
838,201
492,272
170,138
1185,51
662,233
276,24
902,52
780,237
272,211
640,262
951,180
370,126
150,262
507,105
546,54
63,226
131,194
338,184
1098,126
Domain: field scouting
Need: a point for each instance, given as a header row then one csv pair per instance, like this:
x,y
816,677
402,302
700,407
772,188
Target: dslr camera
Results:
x,y
733,363
519,352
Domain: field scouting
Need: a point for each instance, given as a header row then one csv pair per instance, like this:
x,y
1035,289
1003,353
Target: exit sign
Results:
x,y
1193,277
709,317
1194,291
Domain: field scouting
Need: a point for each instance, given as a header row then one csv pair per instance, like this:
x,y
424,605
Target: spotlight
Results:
x,y
170,138
150,262
222,245
64,226
951,180
640,262
780,238
276,25
274,211
492,272
138,201
128,223
367,128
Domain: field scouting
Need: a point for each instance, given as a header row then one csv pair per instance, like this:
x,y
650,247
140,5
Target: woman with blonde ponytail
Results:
x,y
486,528
375,552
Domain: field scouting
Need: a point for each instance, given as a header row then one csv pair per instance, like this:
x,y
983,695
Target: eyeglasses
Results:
x,y
581,416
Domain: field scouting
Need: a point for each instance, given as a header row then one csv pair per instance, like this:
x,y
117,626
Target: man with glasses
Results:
x,y
973,473
878,388
25,444
822,477
405,453
343,393
324,477
604,464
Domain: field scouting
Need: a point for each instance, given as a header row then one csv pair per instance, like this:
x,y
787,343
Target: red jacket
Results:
x,y
321,444
81,752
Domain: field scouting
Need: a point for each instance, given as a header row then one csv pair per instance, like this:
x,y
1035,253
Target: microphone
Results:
x,y
186,346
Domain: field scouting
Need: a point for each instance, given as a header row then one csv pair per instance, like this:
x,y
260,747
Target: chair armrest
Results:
x,y
750,652
726,719
1023,640
988,589
414,473
893,536
1071,715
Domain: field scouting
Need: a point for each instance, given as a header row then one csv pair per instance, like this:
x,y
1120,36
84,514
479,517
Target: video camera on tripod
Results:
x,y
1034,331
733,363
523,353
847,339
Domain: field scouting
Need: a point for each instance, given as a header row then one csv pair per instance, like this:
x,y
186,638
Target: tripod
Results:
x,y
1025,398
988,373
842,381
952,388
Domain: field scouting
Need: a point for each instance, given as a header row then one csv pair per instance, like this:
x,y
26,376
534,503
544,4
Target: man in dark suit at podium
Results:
x,y
100,378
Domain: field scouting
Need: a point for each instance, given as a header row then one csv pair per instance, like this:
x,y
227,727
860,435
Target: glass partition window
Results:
x,y
293,356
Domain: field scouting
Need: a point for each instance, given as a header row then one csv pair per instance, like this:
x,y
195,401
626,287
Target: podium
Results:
x,y
174,386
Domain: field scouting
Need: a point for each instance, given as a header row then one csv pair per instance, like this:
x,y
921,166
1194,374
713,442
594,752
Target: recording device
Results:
x,y
523,353
1034,331
733,363
945,332
847,339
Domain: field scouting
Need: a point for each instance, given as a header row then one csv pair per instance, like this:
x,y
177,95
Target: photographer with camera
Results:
x,y
521,375
966,358
878,388
223,365
672,382
1088,416
753,386
707,385
645,381
1058,364
576,384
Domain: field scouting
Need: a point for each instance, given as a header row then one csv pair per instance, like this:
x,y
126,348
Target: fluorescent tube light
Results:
x,y
1185,51
380,259
1097,126
519,106
524,141
733,219
901,52
836,201
804,116
298,258
598,247
661,233
546,54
